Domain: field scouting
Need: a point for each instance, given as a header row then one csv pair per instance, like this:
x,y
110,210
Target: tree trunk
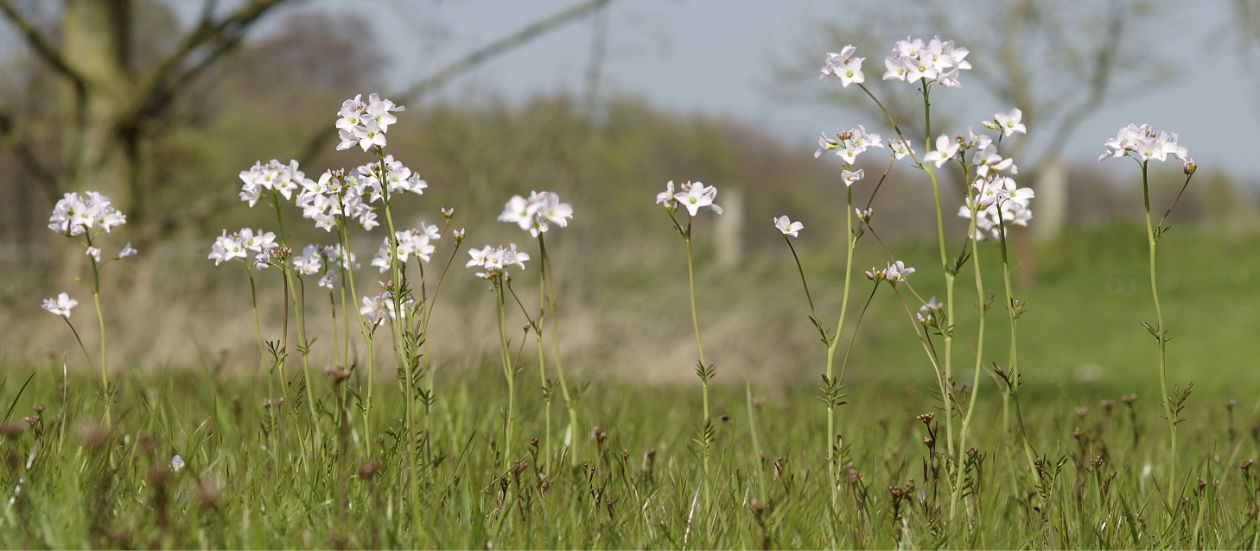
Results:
x,y
99,153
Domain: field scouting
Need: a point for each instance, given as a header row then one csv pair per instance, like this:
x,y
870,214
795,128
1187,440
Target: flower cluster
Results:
x,y
377,309
239,244
938,60
900,148
494,261
534,214
998,202
274,175
396,176
412,242
1144,144
844,66
365,124
691,195
61,305
848,144
336,196
788,227
893,273
1008,123
929,312
76,214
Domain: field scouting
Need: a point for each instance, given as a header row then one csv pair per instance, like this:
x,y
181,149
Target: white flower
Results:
x,y
1144,144
998,201
226,247
365,124
282,178
899,148
850,143
76,214
494,260
60,305
937,60
695,196
1009,123
946,149
845,66
788,227
177,463
666,198
897,271
126,251
309,263
94,252
534,214
850,177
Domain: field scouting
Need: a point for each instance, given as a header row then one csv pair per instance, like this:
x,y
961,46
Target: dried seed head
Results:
x,y
971,452
1081,411
1129,398
10,430
1245,465
1229,404
39,408
94,435
926,417
1108,404
369,469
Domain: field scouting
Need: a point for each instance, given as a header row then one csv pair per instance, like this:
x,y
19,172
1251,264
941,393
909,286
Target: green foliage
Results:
x,y
248,484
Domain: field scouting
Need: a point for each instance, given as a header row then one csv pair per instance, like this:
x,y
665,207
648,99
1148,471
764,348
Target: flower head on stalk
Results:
x,y
397,176
998,201
377,309
1007,123
844,66
538,211
692,196
893,273
75,214
936,60
334,262
899,148
274,175
848,144
946,149
1144,143
365,123
61,305
338,196
227,247
411,242
494,261
788,227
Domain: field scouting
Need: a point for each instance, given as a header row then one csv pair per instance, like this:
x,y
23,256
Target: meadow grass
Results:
x,y
69,482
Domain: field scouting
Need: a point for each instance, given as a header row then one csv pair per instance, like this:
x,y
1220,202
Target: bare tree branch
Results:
x,y
151,93
25,154
321,138
42,47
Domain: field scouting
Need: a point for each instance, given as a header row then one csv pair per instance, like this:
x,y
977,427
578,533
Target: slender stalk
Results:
x,y
542,365
508,372
982,303
100,320
704,367
368,335
1161,337
834,340
569,402
1013,361
298,299
947,335
262,354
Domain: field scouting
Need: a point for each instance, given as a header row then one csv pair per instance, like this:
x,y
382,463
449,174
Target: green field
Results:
x,y
632,477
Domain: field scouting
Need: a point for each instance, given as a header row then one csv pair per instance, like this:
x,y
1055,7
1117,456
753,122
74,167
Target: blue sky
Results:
x,y
717,57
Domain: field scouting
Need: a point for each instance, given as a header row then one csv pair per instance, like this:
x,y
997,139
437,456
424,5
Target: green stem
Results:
x,y
569,403
542,365
304,345
100,321
508,373
704,379
834,340
1013,362
1161,338
963,432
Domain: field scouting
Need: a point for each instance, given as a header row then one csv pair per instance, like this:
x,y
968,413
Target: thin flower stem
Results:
x,y
947,335
982,303
542,365
569,403
508,370
79,340
1013,362
834,340
100,320
704,379
844,363
368,336
262,354
396,283
1161,338
808,298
